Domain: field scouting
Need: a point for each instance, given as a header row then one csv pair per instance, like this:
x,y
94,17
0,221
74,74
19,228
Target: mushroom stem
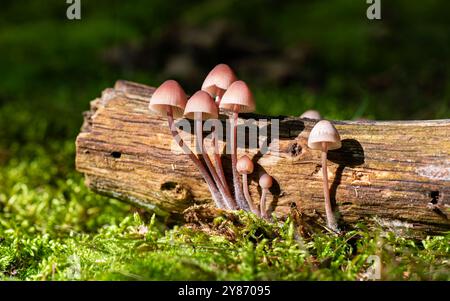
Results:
x,y
331,220
247,195
262,204
229,202
212,187
242,204
218,162
218,99
217,157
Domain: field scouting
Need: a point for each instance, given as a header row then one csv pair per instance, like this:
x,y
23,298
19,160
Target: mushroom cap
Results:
x,y
238,97
265,181
244,165
324,131
311,114
218,80
169,94
201,102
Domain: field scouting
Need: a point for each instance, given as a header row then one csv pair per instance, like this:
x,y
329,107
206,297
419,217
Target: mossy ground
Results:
x,y
53,228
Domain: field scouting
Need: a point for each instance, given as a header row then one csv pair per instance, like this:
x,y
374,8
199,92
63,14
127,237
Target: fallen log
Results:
x,y
394,173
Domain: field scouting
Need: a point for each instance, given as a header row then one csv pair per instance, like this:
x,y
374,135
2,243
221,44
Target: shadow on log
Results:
x,y
393,173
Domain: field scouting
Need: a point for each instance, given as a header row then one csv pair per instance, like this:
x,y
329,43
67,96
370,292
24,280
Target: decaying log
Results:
x,y
396,173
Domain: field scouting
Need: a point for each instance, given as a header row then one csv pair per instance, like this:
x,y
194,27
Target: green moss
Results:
x,y
55,229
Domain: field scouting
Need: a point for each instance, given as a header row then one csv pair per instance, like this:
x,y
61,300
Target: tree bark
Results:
x,y
393,173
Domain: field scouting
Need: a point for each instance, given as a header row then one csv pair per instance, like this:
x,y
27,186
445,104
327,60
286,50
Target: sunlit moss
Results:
x,y
55,229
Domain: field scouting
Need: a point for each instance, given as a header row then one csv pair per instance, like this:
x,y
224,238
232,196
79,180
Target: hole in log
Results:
x,y
316,170
295,149
434,195
168,186
116,155
176,191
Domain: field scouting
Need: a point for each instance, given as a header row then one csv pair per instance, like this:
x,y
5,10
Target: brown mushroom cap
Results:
x,y
201,102
244,165
265,181
311,114
324,131
238,97
169,94
218,80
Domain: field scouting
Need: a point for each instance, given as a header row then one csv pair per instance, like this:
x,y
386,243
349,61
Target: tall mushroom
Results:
x,y
324,136
169,100
237,99
216,83
200,107
265,182
245,166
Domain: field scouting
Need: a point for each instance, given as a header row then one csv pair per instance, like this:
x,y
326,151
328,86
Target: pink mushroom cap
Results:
x,y
201,103
265,181
218,80
244,165
168,94
238,98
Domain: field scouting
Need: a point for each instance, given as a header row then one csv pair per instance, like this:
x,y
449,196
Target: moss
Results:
x,y
55,229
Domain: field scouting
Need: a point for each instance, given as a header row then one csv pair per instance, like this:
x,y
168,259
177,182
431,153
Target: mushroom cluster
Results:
x,y
220,90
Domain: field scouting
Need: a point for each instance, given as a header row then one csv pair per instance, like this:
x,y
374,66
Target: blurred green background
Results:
x,y
295,55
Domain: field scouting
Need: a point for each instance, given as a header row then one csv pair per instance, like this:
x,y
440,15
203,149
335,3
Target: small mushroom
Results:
x,y
199,107
218,80
245,166
169,100
311,114
324,136
238,98
265,182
